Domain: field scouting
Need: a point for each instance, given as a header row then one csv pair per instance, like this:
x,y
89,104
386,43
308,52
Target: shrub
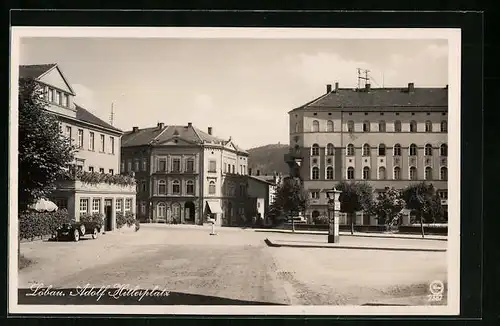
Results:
x,y
34,224
94,217
321,220
125,219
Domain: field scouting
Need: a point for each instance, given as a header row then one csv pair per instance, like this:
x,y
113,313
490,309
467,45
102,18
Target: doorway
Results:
x,y
189,212
108,215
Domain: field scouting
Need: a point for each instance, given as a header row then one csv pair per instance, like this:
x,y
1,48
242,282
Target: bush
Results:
x,y
34,224
94,217
321,220
125,219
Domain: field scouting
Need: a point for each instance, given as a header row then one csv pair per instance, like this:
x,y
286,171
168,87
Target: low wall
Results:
x,y
404,229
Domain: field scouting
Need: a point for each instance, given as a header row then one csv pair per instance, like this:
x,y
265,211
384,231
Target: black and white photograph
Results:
x,y
234,171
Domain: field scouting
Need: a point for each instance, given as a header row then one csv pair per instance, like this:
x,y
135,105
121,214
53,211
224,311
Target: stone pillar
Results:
x,y
113,213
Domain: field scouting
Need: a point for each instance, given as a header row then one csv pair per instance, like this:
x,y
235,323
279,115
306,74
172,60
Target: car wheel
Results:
x,y
82,229
95,234
76,236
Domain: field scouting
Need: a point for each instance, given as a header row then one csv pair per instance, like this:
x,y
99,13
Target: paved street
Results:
x,y
237,264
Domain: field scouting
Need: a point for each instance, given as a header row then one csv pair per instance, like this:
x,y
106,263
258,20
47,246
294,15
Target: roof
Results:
x,y
84,115
34,71
265,179
386,99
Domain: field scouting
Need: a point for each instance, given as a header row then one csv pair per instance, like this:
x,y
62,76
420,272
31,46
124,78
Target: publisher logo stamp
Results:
x,y
436,288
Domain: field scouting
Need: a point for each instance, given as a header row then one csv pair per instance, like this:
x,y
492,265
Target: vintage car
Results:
x,y
75,230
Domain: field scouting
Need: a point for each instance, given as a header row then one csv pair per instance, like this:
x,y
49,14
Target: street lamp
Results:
x,y
333,217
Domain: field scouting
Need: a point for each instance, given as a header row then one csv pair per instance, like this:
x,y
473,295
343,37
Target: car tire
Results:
x,y
82,229
76,236
95,234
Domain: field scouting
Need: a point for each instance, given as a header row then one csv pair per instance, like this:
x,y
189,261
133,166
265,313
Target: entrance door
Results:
x,y
108,214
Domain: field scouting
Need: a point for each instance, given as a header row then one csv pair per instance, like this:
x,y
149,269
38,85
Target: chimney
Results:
x,y
258,172
249,171
411,87
160,125
328,88
336,87
190,124
210,131
446,86
135,129
368,87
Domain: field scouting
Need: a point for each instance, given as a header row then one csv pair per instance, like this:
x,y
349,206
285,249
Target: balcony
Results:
x,y
77,185
293,155
412,161
396,160
428,160
444,161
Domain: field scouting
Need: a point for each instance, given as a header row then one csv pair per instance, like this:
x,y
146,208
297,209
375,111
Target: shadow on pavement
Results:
x,y
72,296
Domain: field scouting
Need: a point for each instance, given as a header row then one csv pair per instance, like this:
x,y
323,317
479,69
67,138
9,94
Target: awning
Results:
x,y
214,207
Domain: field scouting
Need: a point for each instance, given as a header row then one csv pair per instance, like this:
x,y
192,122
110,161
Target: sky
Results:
x,y
243,88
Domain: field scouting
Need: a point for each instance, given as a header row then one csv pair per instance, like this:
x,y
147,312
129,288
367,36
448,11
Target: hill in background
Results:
x,y
268,159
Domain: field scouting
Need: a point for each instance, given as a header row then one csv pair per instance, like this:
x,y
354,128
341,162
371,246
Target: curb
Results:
x,y
353,235
269,243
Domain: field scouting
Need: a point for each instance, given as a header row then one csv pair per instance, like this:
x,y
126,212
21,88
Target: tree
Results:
x,y
422,198
291,198
389,204
355,197
44,151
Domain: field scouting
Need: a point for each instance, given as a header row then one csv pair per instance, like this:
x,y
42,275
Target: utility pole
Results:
x,y
112,115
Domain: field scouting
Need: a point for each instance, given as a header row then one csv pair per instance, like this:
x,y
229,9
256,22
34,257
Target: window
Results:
x,y
381,126
329,173
366,150
190,187
84,206
119,205
443,150
297,127
413,150
211,188
443,173
413,126
111,171
413,173
234,168
381,150
162,164
315,173
128,204
68,133
443,194
122,166
428,150
143,208
397,126
330,149
102,143
50,94
190,165
91,141
112,145
428,173
428,126
397,150
65,100
397,173
329,126
80,138
161,210
129,165
350,126
444,126
381,173
136,165
212,166
101,170
366,126
366,173
58,99
176,187
143,186
162,187
315,194
350,173
144,164
96,205
315,150
315,126
91,169
176,165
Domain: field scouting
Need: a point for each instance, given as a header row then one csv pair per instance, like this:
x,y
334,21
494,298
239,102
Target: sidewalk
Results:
x,y
358,234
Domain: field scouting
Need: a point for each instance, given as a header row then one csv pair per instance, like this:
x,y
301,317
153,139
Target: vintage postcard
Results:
x,y
234,171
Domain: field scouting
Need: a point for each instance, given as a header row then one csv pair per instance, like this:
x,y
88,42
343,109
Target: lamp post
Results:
x,y
333,217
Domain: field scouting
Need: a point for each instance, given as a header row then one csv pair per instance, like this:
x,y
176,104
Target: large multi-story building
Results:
x,y
389,137
97,149
186,175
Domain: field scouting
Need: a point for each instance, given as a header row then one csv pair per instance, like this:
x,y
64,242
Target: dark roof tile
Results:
x,y
34,71
86,116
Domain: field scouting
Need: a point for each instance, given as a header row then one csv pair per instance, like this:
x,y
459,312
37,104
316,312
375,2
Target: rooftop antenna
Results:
x,y
112,115
362,80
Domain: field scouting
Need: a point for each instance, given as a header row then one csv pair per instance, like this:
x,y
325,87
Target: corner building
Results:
x,y
389,137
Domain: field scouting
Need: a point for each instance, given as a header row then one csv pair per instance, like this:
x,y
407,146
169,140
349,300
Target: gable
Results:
x,y
231,146
56,79
176,141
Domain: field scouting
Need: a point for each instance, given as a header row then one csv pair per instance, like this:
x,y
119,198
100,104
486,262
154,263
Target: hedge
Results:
x,y
125,219
34,224
94,217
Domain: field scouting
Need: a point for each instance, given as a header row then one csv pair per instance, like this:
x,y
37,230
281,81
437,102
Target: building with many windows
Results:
x,y
185,175
389,137
98,149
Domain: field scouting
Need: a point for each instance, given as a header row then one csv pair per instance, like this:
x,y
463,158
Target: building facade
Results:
x,y
263,189
389,137
185,175
97,150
